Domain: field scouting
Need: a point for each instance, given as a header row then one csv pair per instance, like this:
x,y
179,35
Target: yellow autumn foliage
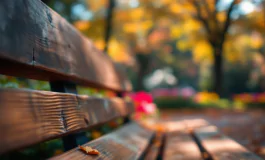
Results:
x,y
95,5
100,44
211,4
256,41
243,40
191,25
221,16
165,2
202,51
135,23
230,53
130,27
82,25
176,31
183,45
188,7
233,56
133,27
137,13
175,8
240,48
117,52
147,24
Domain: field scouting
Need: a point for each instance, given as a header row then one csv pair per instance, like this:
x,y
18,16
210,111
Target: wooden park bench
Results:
x,y
37,43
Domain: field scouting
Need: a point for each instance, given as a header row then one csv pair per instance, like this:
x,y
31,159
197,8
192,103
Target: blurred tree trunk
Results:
x,y
218,70
109,24
216,36
143,64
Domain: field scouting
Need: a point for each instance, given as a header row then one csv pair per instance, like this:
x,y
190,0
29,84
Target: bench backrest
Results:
x,y
37,43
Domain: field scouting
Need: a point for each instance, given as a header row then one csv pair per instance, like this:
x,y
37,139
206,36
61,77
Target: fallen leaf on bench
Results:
x,y
89,150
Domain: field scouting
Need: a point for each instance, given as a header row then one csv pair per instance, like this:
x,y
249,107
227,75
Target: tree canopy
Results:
x,y
189,36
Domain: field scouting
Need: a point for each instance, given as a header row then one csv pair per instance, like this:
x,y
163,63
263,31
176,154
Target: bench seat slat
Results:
x,y
180,146
220,146
28,117
38,43
128,142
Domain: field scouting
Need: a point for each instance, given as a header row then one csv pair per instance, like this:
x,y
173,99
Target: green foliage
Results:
x,y
14,82
175,102
90,91
8,82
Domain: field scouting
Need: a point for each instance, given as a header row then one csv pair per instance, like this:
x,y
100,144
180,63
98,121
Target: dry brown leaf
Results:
x,y
89,150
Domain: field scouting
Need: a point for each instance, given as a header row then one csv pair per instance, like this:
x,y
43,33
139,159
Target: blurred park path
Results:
x,y
245,127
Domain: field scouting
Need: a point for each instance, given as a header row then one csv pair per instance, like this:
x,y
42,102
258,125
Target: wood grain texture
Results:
x,y
181,146
28,117
220,147
35,42
128,142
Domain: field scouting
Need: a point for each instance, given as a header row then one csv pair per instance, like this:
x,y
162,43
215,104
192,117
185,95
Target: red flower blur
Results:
x,y
144,104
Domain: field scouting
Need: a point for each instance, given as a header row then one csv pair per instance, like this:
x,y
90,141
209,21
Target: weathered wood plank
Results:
x,y
220,147
28,117
180,146
128,142
38,43
191,124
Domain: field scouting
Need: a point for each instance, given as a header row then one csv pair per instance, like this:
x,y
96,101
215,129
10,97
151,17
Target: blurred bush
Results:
x,y
175,102
15,82
190,103
211,100
251,100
